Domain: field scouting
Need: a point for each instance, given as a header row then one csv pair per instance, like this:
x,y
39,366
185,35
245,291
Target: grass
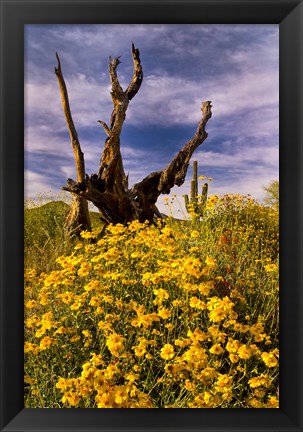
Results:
x,y
44,237
182,315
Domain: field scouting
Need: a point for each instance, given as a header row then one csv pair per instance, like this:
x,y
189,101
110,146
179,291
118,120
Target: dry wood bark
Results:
x,y
108,190
78,216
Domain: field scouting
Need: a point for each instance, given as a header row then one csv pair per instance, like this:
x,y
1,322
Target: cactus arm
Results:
x,y
186,202
195,178
193,195
204,193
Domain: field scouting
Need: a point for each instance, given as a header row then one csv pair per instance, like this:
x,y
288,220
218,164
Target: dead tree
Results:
x,y
108,190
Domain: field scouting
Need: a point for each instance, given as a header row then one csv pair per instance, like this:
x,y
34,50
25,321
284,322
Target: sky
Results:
x,y
234,66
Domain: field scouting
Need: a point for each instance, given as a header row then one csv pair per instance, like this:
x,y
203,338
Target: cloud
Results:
x,y
234,66
239,78
35,184
257,156
175,100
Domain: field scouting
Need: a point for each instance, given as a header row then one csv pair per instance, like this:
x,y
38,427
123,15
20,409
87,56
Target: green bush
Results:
x,y
180,315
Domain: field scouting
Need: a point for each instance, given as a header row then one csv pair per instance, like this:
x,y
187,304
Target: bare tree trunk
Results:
x,y
108,190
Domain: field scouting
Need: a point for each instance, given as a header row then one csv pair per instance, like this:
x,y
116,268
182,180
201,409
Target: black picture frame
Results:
x,y
14,14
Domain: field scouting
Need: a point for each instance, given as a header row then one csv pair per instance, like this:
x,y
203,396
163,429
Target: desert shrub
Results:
x,y
180,315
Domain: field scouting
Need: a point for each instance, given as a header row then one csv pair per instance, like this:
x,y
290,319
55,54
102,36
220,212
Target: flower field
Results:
x,y
184,314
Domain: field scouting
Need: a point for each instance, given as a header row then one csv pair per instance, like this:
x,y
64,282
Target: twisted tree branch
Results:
x,y
175,172
78,217
79,157
111,170
137,78
105,127
161,182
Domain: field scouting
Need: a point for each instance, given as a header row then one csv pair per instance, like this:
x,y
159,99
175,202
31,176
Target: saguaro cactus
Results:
x,y
195,206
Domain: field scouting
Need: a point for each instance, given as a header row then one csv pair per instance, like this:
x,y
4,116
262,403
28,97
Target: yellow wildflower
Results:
x,y
244,352
46,342
273,402
164,313
29,380
167,352
269,359
233,358
30,304
71,398
211,262
115,344
269,268
216,349
261,380
194,234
